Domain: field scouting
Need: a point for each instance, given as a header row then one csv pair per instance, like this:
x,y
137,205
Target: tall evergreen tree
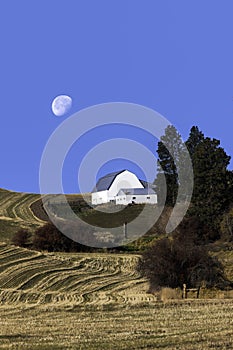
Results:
x,y
195,138
170,149
211,182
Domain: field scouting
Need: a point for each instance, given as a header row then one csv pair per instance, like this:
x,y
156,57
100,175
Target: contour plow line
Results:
x,y
83,279
17,206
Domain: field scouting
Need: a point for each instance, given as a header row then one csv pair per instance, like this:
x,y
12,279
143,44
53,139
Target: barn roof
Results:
x,y
104,183
136,191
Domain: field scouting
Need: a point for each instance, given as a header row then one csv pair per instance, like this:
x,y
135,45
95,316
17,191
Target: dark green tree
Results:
x,y
229,176
195,138
211,182
170,157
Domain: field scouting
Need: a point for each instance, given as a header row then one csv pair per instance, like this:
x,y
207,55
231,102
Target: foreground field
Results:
x,y
183,325
98,301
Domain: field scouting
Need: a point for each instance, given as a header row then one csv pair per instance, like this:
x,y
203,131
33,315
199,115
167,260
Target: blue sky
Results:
x,y
172,56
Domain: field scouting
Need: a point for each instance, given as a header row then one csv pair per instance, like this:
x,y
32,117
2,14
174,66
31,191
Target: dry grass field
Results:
x,y
30,277
98,301
194,325
15,213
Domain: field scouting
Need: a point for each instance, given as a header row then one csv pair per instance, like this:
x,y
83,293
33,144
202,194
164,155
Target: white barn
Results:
x,y
122,187
136,195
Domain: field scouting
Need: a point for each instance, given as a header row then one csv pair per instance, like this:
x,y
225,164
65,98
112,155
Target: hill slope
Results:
x,y
32,277
22,210
15,213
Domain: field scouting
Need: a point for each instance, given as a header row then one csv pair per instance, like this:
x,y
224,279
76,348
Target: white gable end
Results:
x,y
126,179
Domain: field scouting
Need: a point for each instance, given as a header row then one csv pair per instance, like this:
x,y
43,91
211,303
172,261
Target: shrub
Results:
x,y
51,239
171,262
21,238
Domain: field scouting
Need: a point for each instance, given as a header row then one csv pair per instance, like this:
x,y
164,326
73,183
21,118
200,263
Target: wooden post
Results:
x,y
185,291
184,294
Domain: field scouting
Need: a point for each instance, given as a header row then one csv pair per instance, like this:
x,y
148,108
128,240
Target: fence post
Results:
x,y
185,291
184,294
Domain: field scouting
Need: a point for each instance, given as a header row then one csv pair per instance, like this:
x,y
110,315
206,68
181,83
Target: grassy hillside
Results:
x,y
23,210
15,213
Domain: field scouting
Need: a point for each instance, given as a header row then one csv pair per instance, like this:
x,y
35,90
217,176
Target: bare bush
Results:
x,y
51,239
21,238
172,262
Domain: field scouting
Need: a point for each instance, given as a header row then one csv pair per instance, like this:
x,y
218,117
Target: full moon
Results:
x,y
61,105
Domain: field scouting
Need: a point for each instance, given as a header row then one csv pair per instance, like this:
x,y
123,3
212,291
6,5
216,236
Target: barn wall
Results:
x,y
99,197
126,199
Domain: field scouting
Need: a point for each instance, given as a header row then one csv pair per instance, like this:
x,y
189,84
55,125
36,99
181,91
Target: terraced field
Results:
x,y
15,213
32,277
98,301
23,210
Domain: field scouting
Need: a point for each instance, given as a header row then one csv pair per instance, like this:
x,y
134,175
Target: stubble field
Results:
x,y
182,325
99,301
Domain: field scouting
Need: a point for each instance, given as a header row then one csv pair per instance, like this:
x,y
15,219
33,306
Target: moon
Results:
x,y
61,105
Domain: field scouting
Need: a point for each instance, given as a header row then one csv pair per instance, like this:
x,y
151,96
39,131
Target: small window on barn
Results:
x,y
148,197
133,197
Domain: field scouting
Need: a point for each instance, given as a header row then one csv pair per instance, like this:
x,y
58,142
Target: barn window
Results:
x,y
133,197
148,197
